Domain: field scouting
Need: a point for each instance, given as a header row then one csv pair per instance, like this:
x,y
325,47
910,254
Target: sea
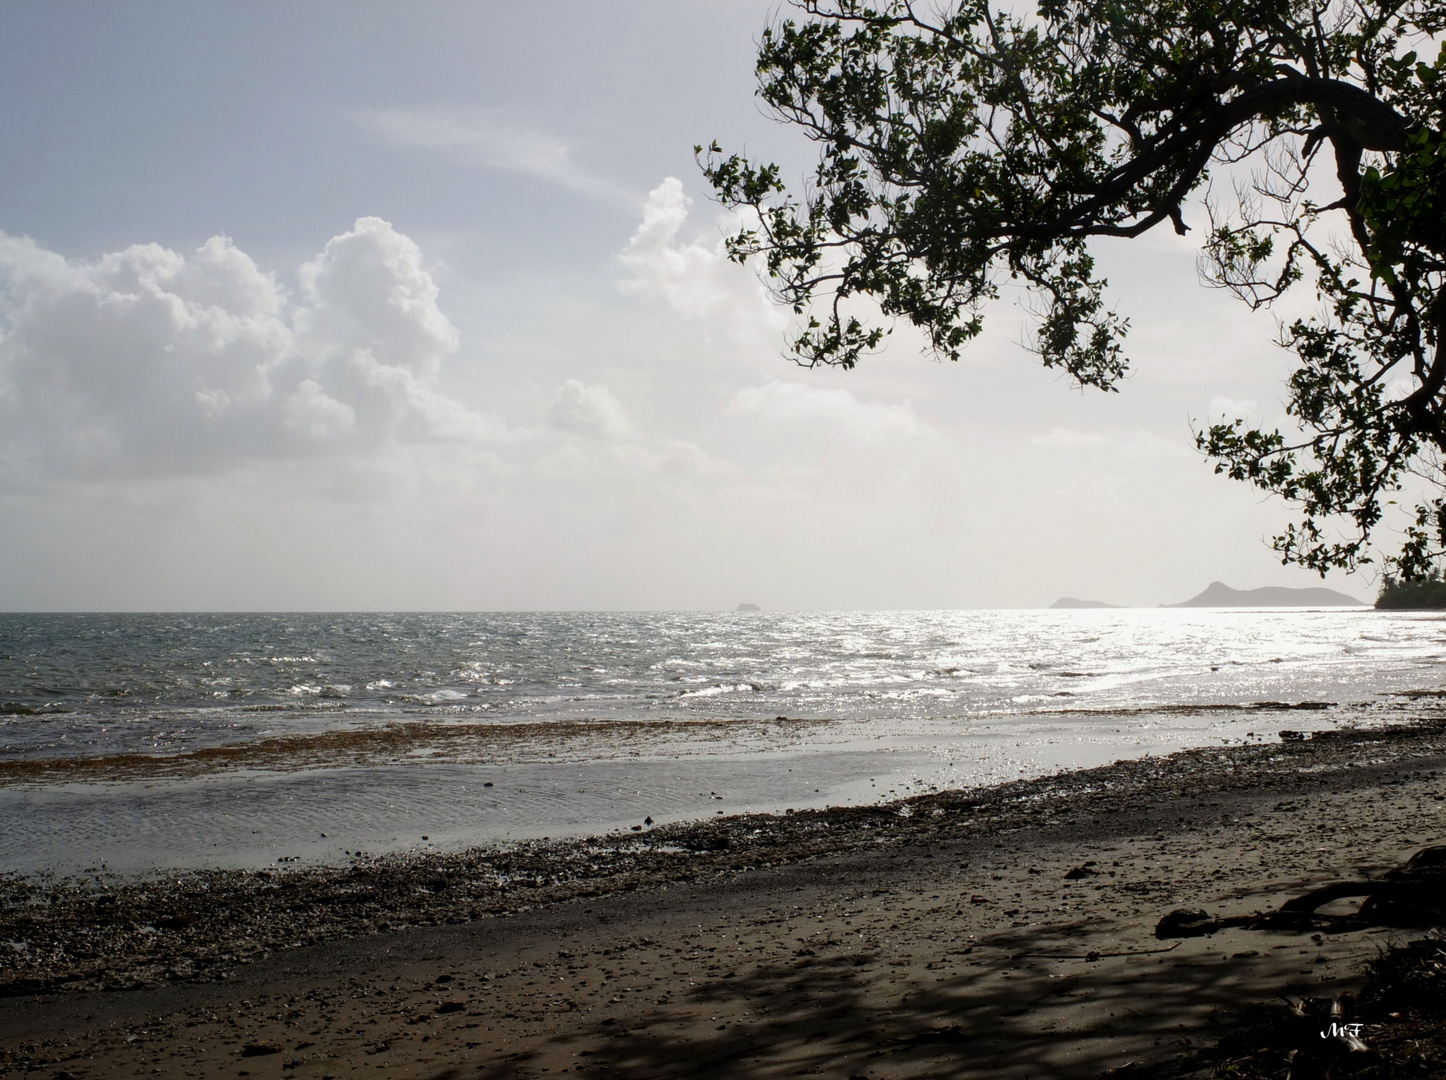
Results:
x,y
149,743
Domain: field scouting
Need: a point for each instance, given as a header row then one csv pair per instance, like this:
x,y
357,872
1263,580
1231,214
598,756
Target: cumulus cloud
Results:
x,y
490,139
695,278
147,362
579,409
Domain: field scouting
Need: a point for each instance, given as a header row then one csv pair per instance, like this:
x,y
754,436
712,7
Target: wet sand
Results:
x,y
1003,932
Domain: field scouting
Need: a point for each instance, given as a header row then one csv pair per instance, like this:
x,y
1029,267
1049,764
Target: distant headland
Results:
x,y
1428,594
1220,595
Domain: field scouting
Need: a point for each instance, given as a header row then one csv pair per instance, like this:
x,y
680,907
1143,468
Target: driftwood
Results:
x,y
1412,895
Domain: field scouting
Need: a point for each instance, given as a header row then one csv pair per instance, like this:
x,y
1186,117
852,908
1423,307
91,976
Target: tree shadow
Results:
x,y
844,1014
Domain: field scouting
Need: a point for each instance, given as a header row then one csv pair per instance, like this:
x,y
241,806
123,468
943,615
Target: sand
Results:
x,y
1002,933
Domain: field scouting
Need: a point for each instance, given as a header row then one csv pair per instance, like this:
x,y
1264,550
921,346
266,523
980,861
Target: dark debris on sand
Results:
x,y
65,934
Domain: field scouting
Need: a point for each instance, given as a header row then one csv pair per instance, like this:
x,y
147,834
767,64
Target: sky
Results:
x,y
378,306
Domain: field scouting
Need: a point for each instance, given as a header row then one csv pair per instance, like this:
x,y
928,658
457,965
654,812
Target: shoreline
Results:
x,y
949,894
164,911
313,800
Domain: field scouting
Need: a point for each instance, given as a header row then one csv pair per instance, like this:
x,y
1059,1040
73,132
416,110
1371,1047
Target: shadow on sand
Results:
x,y
846,1015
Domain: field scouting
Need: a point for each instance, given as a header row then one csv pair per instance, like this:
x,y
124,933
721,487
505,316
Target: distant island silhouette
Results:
x,y
1218,594
748,607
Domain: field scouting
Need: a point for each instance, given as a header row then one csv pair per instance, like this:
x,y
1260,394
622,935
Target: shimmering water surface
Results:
x,y
179,739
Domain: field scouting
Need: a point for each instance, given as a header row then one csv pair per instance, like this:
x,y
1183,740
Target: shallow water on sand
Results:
x,y
171,740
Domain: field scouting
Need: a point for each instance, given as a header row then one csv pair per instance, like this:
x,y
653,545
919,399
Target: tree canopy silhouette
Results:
x,y
962,147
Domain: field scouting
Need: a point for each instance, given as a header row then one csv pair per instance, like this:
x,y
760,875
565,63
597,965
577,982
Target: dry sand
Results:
x,y
945,936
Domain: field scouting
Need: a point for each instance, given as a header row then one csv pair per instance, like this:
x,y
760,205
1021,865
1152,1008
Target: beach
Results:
x,y
1003,931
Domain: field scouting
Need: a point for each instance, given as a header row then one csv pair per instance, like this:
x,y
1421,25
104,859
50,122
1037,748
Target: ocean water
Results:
x,y
152,741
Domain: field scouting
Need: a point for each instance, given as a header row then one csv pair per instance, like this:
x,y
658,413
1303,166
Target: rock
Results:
x,y
259,1049
1186,922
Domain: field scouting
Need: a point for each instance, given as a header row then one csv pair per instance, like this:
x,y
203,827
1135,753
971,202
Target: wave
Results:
x,y
17,708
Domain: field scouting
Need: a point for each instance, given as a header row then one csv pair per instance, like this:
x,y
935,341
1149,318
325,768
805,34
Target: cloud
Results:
x,y
611,445
579,409
488,138
369,290
1140,444
798,404
1224,406
147,362
1069,439
825,452
695,278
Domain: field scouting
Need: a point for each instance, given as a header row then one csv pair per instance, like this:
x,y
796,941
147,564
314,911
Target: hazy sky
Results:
x,y
419,306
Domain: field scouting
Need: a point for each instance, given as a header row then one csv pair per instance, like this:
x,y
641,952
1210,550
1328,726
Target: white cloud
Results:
x,y
612,446
1224,406
796,403
1140,444
313,415
369,290
147,362
491,139
1069,439
579,409
695,278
